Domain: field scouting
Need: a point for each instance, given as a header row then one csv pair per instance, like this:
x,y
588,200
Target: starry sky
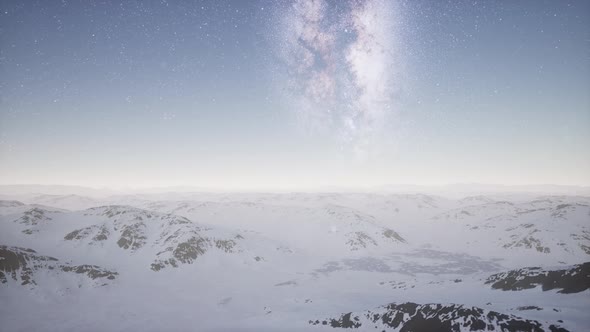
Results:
x,y
260,94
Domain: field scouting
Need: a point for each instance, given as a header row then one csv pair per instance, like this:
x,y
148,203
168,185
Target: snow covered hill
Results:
x,y
130,234
26,267
409,316
14,207
547,229
406,317
327,228
69,202
571,280
269,261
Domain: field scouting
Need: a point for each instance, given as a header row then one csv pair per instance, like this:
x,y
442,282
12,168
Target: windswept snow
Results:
x,y
294,261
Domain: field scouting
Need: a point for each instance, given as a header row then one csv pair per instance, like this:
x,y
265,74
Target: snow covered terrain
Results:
x,y
293,261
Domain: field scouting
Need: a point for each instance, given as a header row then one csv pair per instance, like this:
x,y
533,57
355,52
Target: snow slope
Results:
x,y
290,261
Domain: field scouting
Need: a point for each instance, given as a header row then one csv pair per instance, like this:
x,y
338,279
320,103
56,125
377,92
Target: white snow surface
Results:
x,y
275,261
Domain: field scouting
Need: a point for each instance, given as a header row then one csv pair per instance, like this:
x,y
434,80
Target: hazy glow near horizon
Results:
x,y
294,94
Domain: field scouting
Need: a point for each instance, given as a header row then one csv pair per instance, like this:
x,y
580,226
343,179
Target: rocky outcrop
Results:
x,y
22,265
572,280
409,316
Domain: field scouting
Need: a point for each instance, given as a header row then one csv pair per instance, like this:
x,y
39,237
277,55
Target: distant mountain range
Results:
x,y
448,189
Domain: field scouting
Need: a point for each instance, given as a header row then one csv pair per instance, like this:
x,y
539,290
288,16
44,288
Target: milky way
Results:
x,y
340,63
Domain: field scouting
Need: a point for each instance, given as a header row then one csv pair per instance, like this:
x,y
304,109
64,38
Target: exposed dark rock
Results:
x,y
358,240
529,307
573,280
74,235
583,236
413,317
225,245
529,242
345,322
133,236
391,234
102,235
33,217
20,264
92,271
187,252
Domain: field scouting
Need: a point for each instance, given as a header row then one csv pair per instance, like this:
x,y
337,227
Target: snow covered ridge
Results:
x,y
409,316
12,207
298,223
557,226
172,240
573,280
413,317
5,204
25,266
224,262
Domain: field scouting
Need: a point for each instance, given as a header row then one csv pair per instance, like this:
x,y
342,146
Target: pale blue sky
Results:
x,y
197,93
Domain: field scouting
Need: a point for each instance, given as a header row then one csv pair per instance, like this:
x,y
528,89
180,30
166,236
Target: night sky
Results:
x,y
294,94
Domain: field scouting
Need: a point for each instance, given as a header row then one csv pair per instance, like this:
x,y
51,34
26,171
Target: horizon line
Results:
x,y
324,188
